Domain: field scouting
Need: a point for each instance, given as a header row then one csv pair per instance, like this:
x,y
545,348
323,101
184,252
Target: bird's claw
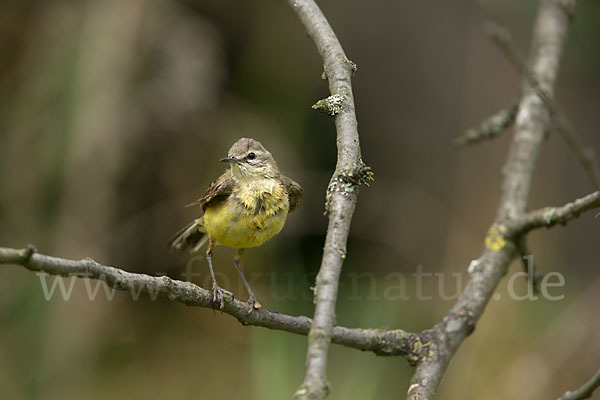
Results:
x,y
219,295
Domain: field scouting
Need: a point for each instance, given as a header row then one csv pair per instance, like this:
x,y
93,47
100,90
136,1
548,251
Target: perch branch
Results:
x,y
585,391
384,342
532,121
341,193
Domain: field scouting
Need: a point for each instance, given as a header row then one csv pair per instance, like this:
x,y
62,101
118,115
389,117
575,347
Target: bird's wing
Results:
x,y
294,191
218,191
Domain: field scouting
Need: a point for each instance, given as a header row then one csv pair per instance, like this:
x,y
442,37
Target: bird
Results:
x,y
244,207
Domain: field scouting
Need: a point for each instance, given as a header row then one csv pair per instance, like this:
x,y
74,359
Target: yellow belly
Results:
x,y
230,224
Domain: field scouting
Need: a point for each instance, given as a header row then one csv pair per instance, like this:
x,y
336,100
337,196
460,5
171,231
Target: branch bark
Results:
x,y
532,122
489,128
383,342
341,193
585,155
551,216
585,391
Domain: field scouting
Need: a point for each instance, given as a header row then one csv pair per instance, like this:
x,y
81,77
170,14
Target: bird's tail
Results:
x,y
191,238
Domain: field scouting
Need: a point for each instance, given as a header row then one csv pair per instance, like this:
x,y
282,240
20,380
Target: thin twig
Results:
x,y
384,342
549,34
550,216
501,37
490,127
585,391
341,193
534,277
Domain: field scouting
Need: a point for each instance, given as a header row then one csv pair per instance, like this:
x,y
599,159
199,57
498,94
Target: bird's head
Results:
x,y
249,159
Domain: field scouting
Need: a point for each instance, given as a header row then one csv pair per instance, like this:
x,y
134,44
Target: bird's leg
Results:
x,y
218,292
252,299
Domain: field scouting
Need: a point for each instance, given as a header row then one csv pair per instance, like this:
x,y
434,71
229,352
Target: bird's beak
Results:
x,y
230,159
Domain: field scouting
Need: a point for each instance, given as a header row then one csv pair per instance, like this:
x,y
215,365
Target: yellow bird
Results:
x,y
244,207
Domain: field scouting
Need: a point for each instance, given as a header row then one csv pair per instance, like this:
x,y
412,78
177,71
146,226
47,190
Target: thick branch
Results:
x,y
384,342
585,391
531,123
341,196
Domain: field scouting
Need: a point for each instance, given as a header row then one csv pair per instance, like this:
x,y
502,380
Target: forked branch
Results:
x,y
531,123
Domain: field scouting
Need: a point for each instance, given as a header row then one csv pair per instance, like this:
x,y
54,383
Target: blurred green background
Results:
x,y
113,115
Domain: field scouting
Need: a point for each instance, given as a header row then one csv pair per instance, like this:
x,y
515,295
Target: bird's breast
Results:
x,y
250,216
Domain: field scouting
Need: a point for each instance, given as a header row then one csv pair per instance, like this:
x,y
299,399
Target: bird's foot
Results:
x,y
254,303
219,295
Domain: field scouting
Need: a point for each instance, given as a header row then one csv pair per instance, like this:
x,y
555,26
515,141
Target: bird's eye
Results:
x,y
251,156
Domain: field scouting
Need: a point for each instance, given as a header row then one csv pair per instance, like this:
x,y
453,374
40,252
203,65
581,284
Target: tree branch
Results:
x,y
551,216
383,342
341,193
490,127
545,217
532,121
529,267
585,391
585,155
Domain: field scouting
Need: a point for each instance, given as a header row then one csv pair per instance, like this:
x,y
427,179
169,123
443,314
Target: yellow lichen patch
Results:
x,y
495,240
429,350
417,346
420,350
